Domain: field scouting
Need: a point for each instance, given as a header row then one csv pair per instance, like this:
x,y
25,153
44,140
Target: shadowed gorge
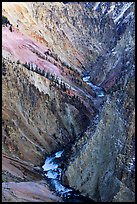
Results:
x,y
68,101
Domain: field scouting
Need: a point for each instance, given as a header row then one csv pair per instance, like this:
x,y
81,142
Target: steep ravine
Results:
x,y
53,174
24,133
68,83
34,96
53,165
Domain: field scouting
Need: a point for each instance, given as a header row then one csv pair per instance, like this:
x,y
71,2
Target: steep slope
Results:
x,y
106,162
40,111
46,106
38,98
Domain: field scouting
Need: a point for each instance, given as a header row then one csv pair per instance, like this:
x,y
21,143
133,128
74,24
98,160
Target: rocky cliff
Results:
x,y
46,106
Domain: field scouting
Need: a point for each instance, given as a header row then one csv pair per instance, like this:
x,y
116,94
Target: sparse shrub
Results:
x,y
47,75
10,28
5,20
64,64
43,72
18,62
26,65
63,86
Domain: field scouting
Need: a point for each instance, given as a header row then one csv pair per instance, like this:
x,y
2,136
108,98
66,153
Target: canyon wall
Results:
x,y
104,169
46,110
37,116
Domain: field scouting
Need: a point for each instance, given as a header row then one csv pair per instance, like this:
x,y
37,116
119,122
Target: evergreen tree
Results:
x,y
10,28
36,69
18,62
43,72
47,75
64,87
5,20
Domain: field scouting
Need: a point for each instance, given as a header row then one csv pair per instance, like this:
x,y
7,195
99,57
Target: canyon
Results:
x,y
68,84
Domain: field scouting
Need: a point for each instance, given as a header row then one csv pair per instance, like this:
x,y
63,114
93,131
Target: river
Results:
x,y
53,172
53,167
100,92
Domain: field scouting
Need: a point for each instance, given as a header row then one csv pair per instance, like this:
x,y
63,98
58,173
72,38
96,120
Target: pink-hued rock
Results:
x,y
109,83
28,192
16,170
23,48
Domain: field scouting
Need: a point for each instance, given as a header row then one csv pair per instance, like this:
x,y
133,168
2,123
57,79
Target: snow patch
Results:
x,y
124,9
96,6
131,167
130,15
111,8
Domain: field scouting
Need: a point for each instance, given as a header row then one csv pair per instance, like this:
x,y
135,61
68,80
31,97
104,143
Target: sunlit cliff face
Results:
x,y
68,74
